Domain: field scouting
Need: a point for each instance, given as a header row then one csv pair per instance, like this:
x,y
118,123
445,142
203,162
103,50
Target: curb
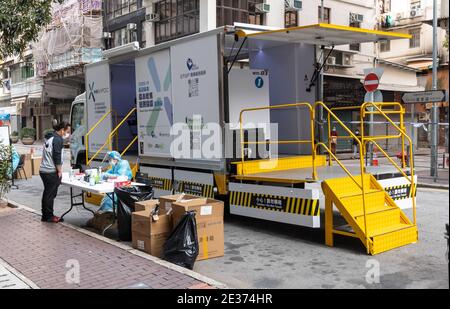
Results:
x,y
432,186
131,250
19,275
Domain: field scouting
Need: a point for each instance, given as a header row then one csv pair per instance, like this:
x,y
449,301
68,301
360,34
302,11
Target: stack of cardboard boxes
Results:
x,y
150,229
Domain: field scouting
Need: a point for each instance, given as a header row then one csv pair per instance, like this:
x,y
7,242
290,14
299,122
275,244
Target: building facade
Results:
x,y
415,18
41,84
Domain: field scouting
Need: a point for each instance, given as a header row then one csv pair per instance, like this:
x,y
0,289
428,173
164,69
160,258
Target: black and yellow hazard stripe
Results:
x,y
161,183
200,189
293,205
401,192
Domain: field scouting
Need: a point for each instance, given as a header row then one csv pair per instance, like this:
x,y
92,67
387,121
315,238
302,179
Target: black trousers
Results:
x,y
51,183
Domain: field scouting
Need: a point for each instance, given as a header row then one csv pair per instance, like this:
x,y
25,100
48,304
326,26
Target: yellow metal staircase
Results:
x,y
385,225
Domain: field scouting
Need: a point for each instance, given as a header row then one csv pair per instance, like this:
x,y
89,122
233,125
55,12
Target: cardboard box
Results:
x,y
147,205
148,235
36,164
167,200
27,167
209,219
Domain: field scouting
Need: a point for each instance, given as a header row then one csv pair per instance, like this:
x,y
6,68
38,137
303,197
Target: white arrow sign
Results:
x,y
433,96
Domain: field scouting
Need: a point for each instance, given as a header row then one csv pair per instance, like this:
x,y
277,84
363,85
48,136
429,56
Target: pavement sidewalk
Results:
x,y
48,255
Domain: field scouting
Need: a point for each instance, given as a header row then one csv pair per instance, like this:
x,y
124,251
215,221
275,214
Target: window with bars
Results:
x,y
414,41
241,11
290,19
385,46
178,18
326,15
116,8
356,46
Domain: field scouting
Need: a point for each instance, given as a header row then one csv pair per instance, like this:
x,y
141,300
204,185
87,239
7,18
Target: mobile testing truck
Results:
x,y
237,77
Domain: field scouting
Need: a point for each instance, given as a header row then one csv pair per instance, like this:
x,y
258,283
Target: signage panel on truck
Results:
x,y
98,99
154,103
195,74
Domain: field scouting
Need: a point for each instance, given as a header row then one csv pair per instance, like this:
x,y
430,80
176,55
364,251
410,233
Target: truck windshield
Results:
x,y
77,115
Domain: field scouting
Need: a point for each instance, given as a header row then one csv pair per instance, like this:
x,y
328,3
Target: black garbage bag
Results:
x,y
181,248
126,197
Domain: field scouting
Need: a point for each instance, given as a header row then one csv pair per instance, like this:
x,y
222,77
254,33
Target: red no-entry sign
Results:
x,y
371,82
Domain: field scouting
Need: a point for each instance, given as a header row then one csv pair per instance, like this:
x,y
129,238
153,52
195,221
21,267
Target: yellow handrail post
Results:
x,y
330,113
404,135
402,126
86,137
329,139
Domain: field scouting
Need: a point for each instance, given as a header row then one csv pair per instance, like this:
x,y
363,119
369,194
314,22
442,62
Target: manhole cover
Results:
x,y
9,281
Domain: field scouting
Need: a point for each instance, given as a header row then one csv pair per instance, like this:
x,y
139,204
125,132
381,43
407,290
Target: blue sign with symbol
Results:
x,y
259,82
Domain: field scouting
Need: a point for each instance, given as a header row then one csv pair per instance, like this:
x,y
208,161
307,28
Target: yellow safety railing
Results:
x,y
86,137
111,135
400,112
332,155
281,106
402,132
379,111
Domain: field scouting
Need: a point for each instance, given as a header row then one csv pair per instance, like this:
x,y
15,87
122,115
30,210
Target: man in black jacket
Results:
x,y
51,168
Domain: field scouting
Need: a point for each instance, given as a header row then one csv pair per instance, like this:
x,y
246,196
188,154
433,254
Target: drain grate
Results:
x,y
9,281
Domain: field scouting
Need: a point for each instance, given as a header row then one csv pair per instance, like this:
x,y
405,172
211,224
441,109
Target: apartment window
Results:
x,y
116,8
144,34
241,11
385,46
119,37
385,6
290,19
415,5
178,18
326,15
357,46
22,71
414,41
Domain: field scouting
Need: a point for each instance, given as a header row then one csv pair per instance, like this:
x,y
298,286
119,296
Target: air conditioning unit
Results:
x,y
359,18
262,8
131,27
415,13
331,60
293,5
400,16
153,17
107,35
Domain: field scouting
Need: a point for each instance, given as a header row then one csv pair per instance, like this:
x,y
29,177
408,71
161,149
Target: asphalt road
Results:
x,y
261,254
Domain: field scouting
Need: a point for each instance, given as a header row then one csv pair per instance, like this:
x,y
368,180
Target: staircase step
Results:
x,y
405,234
346,186
388,229
380,219
375,201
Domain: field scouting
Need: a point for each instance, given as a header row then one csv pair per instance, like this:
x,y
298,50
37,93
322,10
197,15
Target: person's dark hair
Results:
x,y
57,126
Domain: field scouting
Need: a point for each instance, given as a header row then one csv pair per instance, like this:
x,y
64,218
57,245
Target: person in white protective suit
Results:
x,y
119,167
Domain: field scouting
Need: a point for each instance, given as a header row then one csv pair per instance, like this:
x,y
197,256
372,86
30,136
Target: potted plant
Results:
x,y
46,131
27,136
14,137
5,172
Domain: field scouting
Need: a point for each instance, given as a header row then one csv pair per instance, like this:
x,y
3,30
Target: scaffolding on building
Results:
x,y
72,38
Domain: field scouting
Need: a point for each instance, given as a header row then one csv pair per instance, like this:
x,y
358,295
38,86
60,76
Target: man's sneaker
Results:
x,y
53,219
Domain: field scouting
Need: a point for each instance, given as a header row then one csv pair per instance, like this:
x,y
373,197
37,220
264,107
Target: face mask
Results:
x,y
112,163
66,136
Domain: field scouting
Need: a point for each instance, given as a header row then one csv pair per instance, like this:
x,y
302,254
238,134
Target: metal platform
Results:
x,y
301,175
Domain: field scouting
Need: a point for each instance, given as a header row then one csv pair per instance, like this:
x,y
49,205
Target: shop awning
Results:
x,y
324,34
10,110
